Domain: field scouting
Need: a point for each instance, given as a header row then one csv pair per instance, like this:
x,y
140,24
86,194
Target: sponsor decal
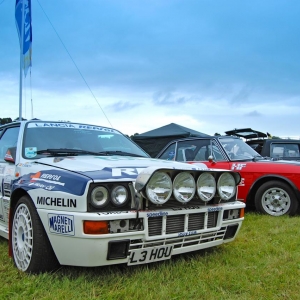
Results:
x,y
211,209
59,159
115,173
40,185
59,202
157,214
218,208
49,178
26,165
72,125
242,183
30,152
9,171
61,224
187,233
236,166
141,210
54,180
113,212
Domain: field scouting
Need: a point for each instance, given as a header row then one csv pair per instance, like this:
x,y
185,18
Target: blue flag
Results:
x,y
23,21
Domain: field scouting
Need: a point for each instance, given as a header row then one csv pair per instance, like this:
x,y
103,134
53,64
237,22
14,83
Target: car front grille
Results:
x,y
179,223
181,242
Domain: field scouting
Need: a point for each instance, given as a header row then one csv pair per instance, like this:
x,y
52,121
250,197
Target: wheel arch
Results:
x,y
266,178
15,196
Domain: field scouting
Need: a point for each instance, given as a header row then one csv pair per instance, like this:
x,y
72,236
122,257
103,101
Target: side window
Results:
x,y
202,154
169,153
284,150
276,151
193,150
8,139
205,151
218,156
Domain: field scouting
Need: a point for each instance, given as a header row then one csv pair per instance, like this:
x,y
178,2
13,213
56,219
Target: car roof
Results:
x,y
247,133
202,138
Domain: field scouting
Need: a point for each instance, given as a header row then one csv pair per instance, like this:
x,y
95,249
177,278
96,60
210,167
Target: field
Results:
x,y
262,263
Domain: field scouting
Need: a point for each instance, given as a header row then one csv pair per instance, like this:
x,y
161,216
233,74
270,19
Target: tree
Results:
x,y
5,120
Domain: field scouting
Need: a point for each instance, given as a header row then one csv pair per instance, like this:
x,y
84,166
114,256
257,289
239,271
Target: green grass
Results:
x,y
262,263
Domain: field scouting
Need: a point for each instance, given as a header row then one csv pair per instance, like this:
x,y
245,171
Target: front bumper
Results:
x,y
163,233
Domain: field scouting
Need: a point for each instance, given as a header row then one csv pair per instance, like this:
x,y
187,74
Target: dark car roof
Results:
x,y
247,133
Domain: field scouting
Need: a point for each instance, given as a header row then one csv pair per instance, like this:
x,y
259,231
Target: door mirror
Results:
x,y
10,155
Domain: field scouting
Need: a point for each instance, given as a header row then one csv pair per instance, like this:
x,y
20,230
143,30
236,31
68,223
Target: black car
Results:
x,y
265,145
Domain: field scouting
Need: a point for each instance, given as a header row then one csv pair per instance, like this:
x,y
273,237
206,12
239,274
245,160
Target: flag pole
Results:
x,y
21,58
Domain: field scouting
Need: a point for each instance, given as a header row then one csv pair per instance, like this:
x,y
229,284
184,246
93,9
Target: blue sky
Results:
x,y
136,65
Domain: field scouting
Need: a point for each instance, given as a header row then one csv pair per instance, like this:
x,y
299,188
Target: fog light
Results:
x,y
231,231
118,249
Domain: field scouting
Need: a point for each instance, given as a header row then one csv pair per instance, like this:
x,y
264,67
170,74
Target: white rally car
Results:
x,y
84,195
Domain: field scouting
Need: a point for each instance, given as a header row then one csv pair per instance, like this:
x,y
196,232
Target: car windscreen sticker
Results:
x,y
72,125
30,152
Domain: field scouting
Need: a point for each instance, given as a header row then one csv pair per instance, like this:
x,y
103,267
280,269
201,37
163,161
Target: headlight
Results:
x,y
159,188
206,186
184,187
119,195
226,186
99,196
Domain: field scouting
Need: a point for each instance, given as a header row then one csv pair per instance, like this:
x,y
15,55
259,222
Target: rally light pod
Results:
x,y
184,187
206,186
159,188
226,186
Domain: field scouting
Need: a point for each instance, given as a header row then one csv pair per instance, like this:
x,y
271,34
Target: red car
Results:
x,y
273,187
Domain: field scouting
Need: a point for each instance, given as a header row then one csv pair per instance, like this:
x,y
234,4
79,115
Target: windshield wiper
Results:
x,y
258,157
122,153
72,152
66,151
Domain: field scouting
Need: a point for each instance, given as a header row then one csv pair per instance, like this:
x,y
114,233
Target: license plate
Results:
x,y
148,255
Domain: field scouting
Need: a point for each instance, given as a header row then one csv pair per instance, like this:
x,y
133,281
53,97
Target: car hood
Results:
x,y
105,167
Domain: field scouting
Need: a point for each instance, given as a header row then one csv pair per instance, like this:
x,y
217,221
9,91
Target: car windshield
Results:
x,y
237,149
63,138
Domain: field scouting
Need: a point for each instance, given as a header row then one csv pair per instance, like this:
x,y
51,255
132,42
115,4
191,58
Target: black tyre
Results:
x,y
276,198
32,251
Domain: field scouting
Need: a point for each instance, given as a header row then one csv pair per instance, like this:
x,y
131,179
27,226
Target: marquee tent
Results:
x,y
155,140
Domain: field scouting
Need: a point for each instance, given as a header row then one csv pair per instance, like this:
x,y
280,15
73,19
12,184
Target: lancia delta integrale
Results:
x,y
84,195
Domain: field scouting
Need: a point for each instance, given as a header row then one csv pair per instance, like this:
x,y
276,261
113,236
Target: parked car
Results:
x,y
271,186
277,149
86,195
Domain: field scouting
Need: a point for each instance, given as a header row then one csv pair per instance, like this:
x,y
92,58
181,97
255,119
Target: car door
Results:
x,y
8,139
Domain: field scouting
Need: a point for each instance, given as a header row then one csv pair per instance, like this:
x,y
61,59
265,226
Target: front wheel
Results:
x,y
32,251
276,198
